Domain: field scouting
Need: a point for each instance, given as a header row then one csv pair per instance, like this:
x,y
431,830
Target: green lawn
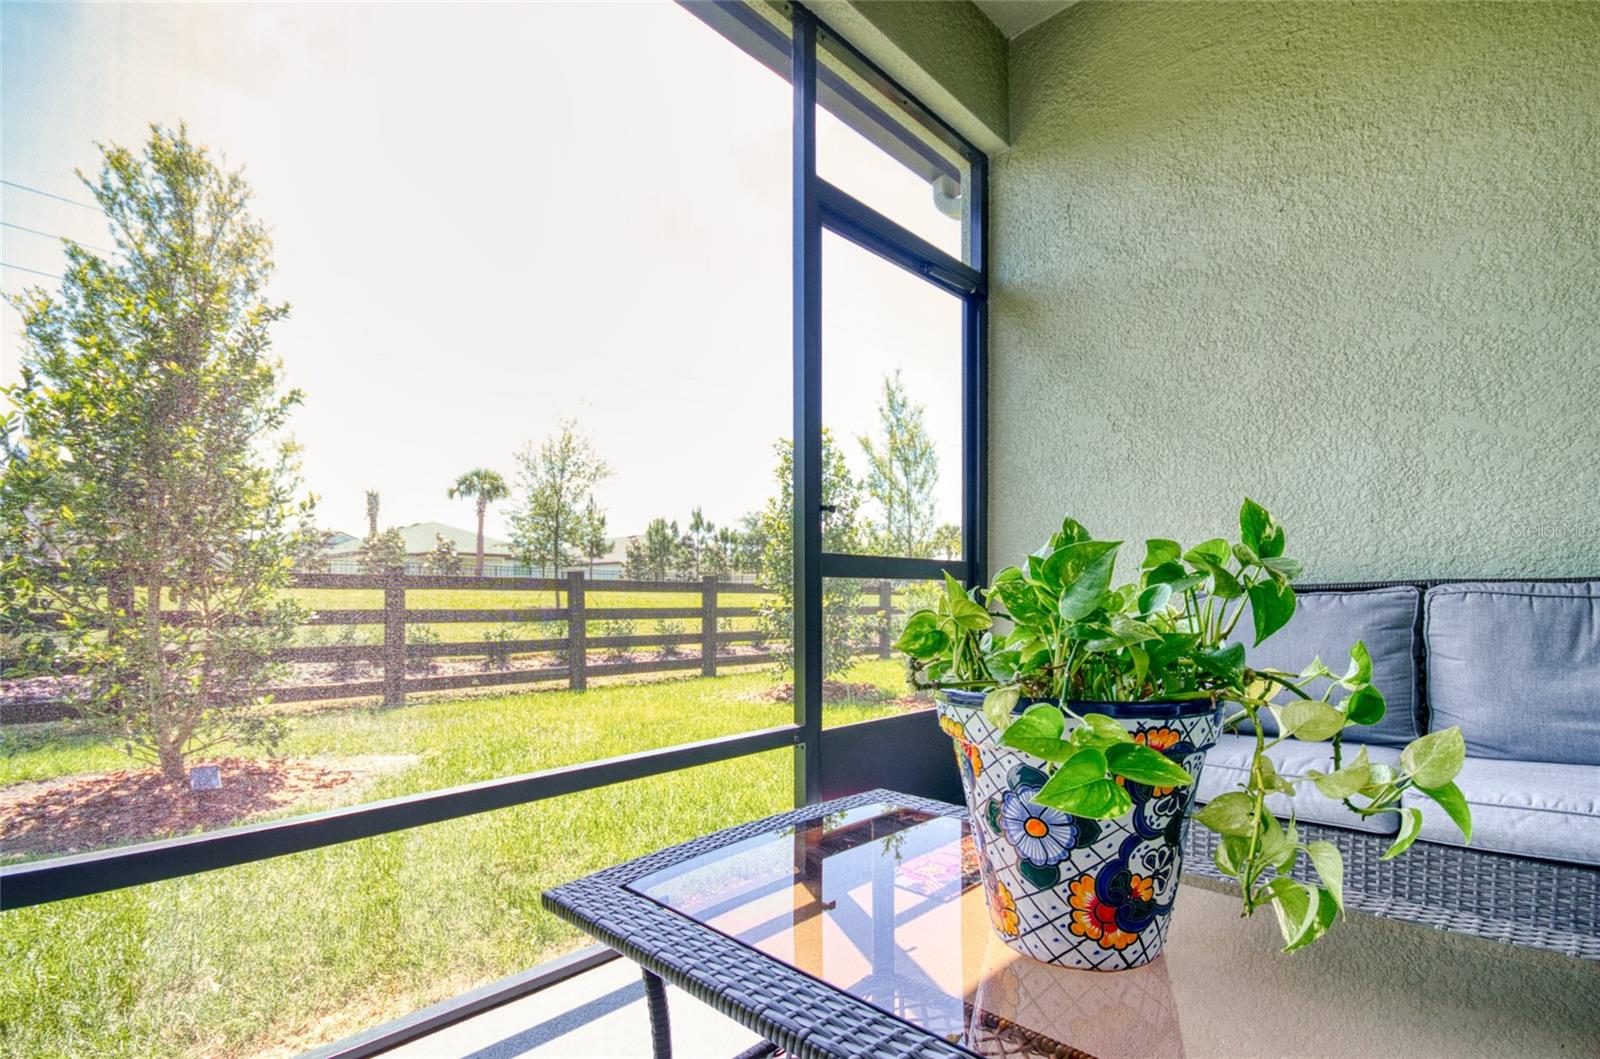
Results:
x,y
280,955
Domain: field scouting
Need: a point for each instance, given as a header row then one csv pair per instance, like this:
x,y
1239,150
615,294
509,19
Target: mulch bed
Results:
x,y
89,812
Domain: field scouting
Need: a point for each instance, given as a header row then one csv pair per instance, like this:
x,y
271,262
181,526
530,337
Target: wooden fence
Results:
x,y
397,660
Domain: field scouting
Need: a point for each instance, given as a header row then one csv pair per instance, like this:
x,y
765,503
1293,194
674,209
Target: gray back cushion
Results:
x,y
1326,624
1517,666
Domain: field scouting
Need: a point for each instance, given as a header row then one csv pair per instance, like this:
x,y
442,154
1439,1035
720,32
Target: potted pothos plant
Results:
x,y
1081,714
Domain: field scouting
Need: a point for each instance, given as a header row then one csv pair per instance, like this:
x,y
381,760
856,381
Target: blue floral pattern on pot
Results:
x,y
1043,836
1067,890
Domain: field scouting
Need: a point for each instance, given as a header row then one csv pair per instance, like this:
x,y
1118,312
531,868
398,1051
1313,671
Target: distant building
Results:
x,y
499,558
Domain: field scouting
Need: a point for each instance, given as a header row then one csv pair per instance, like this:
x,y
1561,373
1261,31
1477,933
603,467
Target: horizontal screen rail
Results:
x,y
871,230
60,878
892,567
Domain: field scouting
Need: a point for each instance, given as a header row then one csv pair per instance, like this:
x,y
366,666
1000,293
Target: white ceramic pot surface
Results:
x,y
1067,890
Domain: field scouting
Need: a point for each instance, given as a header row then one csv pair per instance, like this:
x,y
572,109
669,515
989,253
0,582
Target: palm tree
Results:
x,y
485,486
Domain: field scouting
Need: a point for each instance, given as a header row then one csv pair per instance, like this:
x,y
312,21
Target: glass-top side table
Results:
x,y
861,927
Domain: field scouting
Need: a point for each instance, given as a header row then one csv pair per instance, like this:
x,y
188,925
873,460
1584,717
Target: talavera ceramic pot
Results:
x,y
1065,889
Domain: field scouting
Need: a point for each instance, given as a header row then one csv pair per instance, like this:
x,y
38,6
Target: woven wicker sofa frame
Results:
x,y
1499,896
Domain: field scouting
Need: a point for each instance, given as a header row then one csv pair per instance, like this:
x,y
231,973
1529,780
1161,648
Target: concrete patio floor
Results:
x,y
599,1013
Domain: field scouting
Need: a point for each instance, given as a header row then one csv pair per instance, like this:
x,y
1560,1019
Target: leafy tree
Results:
x,y
372,512
635,567
485,487
144,472
557,482
902,471
946,541
694,543
654,555
383,552
750,544
310,554
842,628
717,561
444,560
592,537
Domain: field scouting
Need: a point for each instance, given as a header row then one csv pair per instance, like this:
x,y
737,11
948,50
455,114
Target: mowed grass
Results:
x,y
280,955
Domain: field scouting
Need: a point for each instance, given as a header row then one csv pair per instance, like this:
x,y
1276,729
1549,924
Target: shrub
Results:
x,y
616,627
422,635
669,628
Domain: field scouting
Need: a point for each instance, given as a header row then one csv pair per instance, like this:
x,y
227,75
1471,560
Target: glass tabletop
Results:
x,y
884,902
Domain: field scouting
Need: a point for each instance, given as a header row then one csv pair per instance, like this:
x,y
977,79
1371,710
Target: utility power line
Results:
x,y
24,268
51,195
51,235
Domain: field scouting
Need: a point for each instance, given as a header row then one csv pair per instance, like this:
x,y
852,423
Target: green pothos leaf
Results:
x,y
1454,803
1141,764
1410,826
1228,814
1329,862
997,707
1098,730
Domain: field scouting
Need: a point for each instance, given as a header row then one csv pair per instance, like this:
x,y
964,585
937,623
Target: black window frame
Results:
x,y
817,206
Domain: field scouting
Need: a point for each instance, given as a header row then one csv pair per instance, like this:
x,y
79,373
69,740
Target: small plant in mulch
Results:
x,y
556,630
498,656
615,627
421,635
345,667
664,627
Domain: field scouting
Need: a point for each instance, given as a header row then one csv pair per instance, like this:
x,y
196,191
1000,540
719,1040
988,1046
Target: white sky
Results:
x,y
489,218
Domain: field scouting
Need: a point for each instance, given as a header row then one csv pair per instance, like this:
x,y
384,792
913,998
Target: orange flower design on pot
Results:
x,y
1099,915
1003,910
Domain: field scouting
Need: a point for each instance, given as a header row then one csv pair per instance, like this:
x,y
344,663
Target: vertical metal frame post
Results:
x,y
975,387
807,485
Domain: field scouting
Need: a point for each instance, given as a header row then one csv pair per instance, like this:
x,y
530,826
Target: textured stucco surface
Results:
x,y
1342,258
945,52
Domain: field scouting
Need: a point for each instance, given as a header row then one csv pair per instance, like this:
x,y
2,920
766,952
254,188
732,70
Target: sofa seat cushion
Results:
x,y
1326,625
1517,665
1529,808
1228,765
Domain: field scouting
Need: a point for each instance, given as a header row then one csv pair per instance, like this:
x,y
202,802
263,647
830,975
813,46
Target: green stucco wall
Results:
x,y
945,52
1342,258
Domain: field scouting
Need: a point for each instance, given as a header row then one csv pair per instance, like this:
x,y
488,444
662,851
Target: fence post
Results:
x,y
708,626
577,634
886,605
394,638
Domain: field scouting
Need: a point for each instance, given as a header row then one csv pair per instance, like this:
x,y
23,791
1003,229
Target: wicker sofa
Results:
x,y
1517,665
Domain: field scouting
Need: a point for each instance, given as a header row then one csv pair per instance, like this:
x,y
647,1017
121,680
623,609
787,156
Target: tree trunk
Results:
x,y
169,749
170,754
482,507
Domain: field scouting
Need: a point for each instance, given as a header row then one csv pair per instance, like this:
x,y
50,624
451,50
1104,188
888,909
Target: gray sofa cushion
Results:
x,y
1517,666
1228,763
1532,809
1326,624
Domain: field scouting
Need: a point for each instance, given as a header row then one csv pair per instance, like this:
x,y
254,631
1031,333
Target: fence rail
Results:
x,y
397,661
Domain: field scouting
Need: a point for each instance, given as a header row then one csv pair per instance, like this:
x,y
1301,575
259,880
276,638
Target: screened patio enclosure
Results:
x,y
1130,261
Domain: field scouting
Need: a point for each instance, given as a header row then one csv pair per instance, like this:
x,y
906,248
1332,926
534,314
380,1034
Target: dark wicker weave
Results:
x,y
800,1014
1490,895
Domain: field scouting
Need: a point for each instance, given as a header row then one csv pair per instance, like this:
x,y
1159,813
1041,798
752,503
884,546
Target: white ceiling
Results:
x,y
1013,17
